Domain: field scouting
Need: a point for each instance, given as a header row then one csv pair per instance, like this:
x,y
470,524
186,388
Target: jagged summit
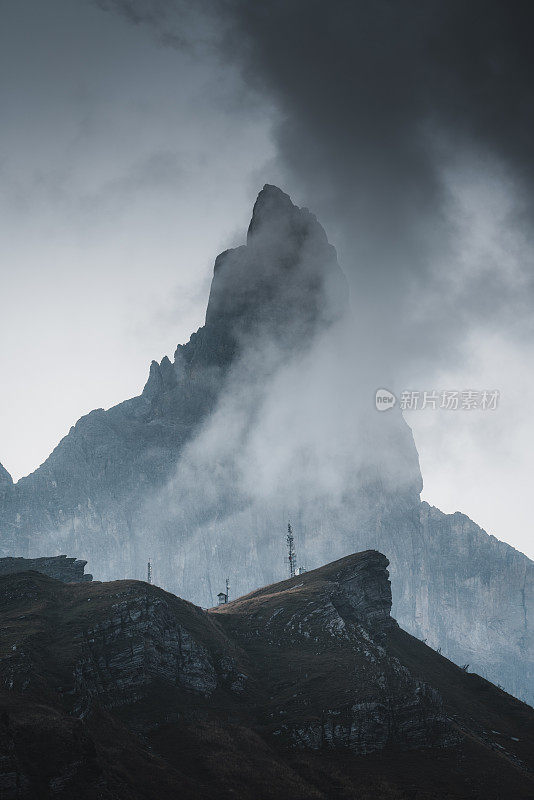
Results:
x,y
284,283
275,207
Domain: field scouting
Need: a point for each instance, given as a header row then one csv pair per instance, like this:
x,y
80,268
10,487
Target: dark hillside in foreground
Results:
x,y
303,689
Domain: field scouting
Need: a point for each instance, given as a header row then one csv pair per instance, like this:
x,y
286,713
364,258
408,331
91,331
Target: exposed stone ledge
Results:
x,y
68,570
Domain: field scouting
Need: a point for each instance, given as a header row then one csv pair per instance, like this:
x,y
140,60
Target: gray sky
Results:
x,y
128,162
125,168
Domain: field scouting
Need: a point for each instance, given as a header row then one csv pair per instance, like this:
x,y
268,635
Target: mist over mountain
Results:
x,y
408,125
265,415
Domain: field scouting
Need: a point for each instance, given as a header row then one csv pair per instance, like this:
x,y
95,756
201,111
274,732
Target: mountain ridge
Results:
x,y
174,473
305,688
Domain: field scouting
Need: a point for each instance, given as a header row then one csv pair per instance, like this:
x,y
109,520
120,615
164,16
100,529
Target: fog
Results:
x,y
293,434
405,127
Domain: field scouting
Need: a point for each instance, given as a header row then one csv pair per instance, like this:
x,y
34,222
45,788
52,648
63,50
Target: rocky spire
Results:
x,y
285,282
285,285
273,207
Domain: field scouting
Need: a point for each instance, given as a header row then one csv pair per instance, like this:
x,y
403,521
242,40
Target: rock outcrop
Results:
x,y
324,615
200,471
122,690
6,481
68,570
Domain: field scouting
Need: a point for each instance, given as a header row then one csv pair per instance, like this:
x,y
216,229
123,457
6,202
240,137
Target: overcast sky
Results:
x,y
133,142
125,168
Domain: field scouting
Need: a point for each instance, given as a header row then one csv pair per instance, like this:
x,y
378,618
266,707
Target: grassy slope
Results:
x,y
221,747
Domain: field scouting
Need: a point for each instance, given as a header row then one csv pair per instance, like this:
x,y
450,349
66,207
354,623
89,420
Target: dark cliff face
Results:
x,y
68,570
475,564
285,283
164,475
122,690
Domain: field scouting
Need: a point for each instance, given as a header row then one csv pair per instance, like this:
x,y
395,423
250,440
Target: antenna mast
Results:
x,y
227,590
149,572
292,557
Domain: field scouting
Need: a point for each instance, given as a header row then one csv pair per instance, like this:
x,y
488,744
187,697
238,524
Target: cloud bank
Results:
x,y
407,126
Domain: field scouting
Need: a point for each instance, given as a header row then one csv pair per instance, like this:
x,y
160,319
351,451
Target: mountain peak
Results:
x,y
270,203
285,282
